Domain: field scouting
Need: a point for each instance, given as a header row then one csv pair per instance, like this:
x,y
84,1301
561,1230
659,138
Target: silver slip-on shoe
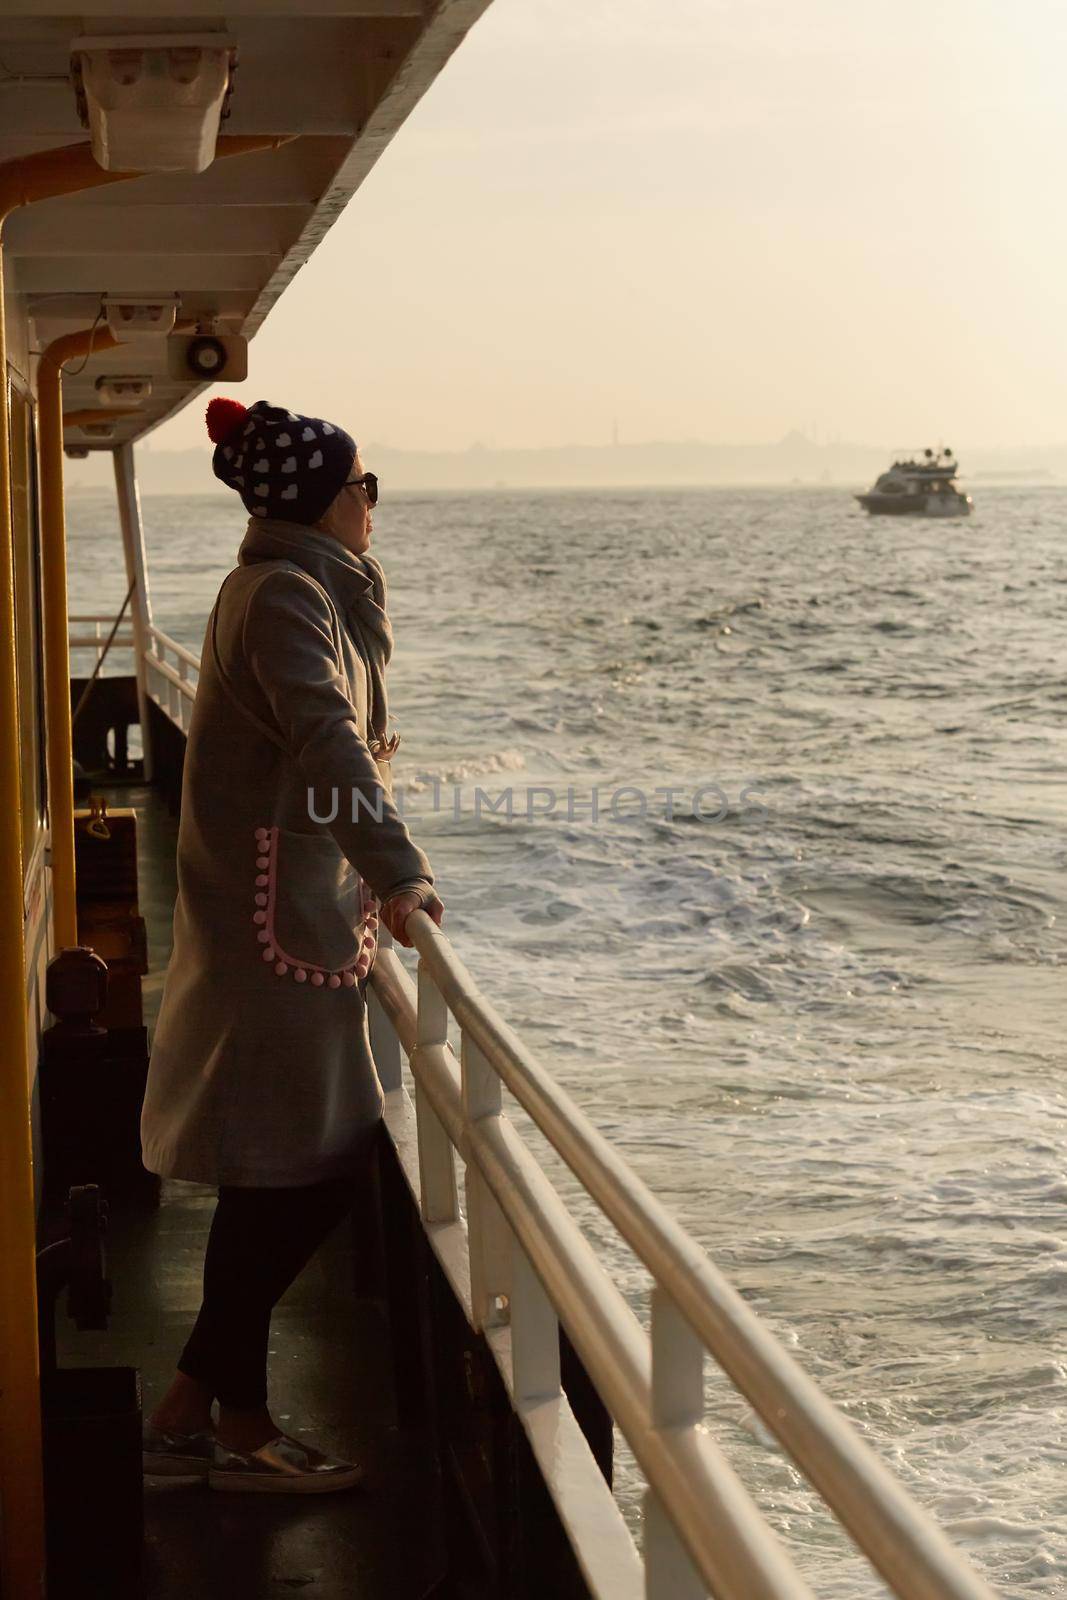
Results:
x,y
281,1466
176,1455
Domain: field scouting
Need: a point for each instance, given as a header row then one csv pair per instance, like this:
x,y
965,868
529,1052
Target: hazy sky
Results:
x,y
712,219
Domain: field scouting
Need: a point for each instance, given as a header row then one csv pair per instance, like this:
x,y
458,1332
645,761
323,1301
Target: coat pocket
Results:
x,y
316,919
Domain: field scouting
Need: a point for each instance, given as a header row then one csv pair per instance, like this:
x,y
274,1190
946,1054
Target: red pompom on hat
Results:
x,y
223,417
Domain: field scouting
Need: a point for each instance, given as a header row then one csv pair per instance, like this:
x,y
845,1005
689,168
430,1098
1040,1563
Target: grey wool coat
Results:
x,y
260,1072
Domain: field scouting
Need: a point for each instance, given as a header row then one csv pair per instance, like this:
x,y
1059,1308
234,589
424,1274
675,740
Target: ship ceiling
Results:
x,y
336,78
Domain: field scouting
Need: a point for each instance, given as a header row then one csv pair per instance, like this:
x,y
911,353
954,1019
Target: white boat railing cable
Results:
x,y
530,1263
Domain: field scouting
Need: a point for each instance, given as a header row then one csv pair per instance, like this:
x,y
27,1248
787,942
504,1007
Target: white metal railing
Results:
x,y
523,1266
171,672
95,641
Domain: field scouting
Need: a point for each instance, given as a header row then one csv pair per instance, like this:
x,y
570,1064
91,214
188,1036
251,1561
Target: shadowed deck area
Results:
x,y
331,1381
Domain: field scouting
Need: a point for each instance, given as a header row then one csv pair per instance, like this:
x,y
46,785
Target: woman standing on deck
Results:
x,y
261,1080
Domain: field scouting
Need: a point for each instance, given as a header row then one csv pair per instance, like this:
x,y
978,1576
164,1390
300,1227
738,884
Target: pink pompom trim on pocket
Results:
x,y
286,965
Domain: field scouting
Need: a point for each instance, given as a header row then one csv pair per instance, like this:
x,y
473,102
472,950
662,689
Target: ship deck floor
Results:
x,y
331,1380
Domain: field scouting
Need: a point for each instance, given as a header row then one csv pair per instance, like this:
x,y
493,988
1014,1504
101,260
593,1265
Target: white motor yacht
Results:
x,y
919,488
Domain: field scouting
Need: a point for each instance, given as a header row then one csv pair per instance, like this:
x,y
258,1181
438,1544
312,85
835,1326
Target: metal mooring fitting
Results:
x,y
97,824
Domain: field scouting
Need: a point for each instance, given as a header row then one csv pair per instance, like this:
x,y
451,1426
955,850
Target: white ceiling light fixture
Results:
x,y
154,102
123,390
132,319
97,430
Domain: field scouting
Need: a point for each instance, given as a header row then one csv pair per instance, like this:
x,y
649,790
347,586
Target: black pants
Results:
x,y
260,1241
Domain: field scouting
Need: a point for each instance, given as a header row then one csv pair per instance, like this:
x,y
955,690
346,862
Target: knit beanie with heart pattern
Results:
x,y
281,464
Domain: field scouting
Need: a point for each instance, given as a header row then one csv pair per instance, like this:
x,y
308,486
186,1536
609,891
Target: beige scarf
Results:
x,y
357,586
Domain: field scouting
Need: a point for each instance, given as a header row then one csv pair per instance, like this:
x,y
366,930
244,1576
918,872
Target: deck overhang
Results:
x,y
335,77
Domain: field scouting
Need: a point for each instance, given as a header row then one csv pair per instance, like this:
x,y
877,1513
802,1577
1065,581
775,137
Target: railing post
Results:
x,y
133,549
488,1234
534,1333
677,1402
384,1044
153,683
669,1573
437,1166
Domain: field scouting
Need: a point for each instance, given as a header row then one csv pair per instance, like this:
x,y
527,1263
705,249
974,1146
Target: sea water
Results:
x,y
803,966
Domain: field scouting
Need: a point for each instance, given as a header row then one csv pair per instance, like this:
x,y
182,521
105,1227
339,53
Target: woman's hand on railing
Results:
x,y
398,908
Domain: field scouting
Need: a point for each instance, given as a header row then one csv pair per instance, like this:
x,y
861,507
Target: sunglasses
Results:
x,y
368,483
